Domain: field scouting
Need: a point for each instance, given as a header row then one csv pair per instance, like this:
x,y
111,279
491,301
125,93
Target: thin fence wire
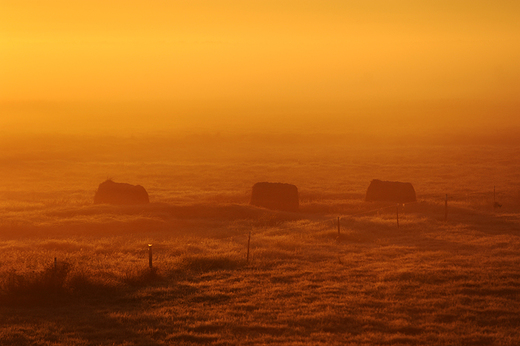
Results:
x,y
344,216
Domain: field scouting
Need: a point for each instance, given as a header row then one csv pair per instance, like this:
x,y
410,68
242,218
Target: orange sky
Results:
x,y
231,59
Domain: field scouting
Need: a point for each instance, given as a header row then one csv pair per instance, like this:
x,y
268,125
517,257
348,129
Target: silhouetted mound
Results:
x,y
277,196
110,192
390,191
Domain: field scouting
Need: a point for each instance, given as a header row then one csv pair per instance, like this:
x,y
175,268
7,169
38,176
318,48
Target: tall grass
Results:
x,y
426,282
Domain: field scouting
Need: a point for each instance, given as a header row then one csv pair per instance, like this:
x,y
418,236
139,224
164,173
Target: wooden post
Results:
x,y
248,243
494,195
397,210
446,208
150,255
338,226
55,276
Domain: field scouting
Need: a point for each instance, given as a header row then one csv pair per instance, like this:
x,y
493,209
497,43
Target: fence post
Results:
x,y
397,215
248,243
446,208
150,255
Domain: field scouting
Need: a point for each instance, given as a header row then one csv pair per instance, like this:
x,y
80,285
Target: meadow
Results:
x,y
428,281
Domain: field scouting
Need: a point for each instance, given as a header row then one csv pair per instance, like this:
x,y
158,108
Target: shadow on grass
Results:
x,y
143,277
209,263
59,283
85,322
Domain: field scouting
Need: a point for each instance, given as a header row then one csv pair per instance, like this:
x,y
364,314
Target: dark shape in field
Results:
x,y
390,191
120,193
277,196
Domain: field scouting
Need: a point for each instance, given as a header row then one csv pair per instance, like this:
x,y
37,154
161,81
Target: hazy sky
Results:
x,y
238,58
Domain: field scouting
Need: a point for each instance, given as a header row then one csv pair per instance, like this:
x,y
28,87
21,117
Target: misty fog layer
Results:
x,y
399,68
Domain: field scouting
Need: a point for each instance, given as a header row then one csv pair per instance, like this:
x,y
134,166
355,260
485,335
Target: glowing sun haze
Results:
x,y
72,66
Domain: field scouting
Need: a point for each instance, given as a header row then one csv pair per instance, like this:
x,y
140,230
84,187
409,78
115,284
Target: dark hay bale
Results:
x,y
110,192
390,191
276,196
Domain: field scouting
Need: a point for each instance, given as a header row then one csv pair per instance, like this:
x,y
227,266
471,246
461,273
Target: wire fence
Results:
x,y
395,207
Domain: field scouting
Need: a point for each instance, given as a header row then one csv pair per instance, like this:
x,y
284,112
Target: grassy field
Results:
x,y
426,282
